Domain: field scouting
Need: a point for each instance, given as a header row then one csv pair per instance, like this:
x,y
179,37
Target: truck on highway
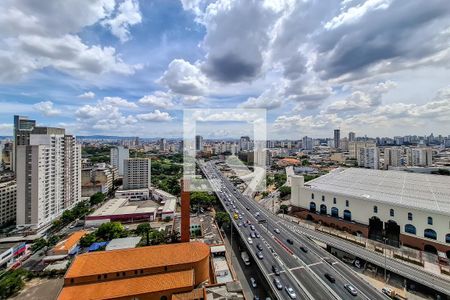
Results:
x,y
245,258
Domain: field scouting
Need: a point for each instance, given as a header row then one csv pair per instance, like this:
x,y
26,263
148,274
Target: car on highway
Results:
x,y
304,249
245,225
277,230
252,235
260,255
257,234
253,282
252,227
277,283
259,247
275,270
257,214
330,277
240,217
256,297
351,289
290,241
239,224
248,208
249,240
290,292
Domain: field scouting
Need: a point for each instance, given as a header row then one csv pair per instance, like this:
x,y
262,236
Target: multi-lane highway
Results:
x,y
302,270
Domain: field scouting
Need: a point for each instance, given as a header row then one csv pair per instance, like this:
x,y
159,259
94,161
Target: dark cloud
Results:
x,y
232,68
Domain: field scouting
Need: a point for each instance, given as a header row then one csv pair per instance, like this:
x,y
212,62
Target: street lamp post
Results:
x,y
385,260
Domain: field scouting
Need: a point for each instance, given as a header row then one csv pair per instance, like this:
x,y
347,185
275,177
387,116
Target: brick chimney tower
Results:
x,y
185,212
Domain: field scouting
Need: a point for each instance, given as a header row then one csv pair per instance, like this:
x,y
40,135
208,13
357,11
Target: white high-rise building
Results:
x,y
392,157
48,172
354,148
422,157
118,155
137,173
369,157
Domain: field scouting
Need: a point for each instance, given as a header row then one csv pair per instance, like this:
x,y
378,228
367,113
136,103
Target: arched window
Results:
x,y
430,221
411,229
447,238
347,215
391,212
312,196
430,233
410,216
335,212
375,209
312,206
323,209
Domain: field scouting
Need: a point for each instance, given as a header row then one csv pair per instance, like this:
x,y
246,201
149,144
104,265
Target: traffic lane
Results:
x,y
338,285
363,286
310,283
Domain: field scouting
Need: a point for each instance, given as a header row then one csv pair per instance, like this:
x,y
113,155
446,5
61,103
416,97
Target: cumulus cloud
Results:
x,y
183,78
103,116
38,36
158,99
128,14
155,116
118,102
46,108
269,99
87,95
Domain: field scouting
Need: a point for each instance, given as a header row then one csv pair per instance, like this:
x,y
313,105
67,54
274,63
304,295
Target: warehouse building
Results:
x,y
401,207
154,272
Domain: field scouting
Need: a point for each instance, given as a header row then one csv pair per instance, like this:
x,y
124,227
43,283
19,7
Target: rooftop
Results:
x,y
419,191
123,243
129,286
121,206
138,258
72,240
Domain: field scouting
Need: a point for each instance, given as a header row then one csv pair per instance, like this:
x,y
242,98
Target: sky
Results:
x,y
130,67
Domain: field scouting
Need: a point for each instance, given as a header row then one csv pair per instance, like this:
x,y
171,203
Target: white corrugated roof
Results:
x,y
420,191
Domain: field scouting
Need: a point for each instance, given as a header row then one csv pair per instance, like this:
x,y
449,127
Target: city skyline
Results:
x,y
130,67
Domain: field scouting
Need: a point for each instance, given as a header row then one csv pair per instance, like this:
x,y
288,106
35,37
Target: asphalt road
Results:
x,y
302,271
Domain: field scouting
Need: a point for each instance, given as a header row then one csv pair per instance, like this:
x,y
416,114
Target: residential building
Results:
x,y
392,157
369,157
351,136
152,272
6,156
48,172
97,178
406,208
344,144
337,138
198,143
22,130
137,173
163,145
118,155
353,147
8,198
421,157
307,143
244,143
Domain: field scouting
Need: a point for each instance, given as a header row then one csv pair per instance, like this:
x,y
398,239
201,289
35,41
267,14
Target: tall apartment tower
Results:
x,y
307,143
422,157
198,143
369,157
22,130
118,155
8,198
392,157
162,144
337,138
48,172
137,173
351,136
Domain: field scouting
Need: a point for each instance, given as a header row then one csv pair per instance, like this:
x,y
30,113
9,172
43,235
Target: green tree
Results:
x,y
53,240
305,162
222,218
283,209
284,191
67,216
144,230
38,244
97,198
111,230
157,237
12,282
280,179
88,239
202,199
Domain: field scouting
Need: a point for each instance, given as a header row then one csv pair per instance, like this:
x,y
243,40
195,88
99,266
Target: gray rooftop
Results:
x,y
419,191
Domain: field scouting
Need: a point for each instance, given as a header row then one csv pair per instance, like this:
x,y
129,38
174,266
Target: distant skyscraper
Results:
x,y
162,144
48,172
392,157
244,143
351,136
337,138
137,173
369,157
198,143
307,143
117,156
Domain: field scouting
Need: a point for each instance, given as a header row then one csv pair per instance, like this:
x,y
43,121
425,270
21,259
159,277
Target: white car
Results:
x,y
291,293
249,240
277,230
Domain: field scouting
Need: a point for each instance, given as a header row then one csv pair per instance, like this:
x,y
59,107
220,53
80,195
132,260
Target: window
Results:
x,y
335,212
99,277
312,207
347,203
123,273
334,200
391,212
323,209
411,229
105,276
430,221
347,215
117,274
410,216
323,198
142,271
447,238
430,233
71,280
375,209
312,196
135,272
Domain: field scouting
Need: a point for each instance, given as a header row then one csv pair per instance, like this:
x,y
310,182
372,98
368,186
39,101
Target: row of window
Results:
x,y
428,233
375,209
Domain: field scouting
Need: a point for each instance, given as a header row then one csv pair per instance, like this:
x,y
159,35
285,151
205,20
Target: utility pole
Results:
x,y
385,260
